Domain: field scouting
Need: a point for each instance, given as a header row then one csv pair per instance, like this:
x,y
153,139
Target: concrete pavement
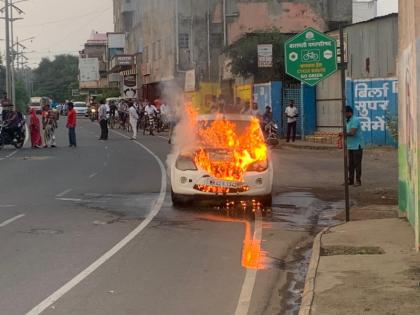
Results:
x,y
366,267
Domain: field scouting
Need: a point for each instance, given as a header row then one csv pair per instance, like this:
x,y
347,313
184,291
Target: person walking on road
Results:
x,y
103,120
49,124
35,129
134,117
292,114
355,145
71,124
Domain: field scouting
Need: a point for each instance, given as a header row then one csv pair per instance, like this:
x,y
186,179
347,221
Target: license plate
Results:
x,y
223,183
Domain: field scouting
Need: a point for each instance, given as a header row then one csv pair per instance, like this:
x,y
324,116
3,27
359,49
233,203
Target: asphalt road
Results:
x,y
92,231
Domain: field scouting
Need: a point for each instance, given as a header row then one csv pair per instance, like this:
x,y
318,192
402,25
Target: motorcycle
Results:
x,y
150,124
93,114
15,136
272,136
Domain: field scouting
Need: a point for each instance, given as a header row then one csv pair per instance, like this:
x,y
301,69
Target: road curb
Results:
x,y
309,290
309,147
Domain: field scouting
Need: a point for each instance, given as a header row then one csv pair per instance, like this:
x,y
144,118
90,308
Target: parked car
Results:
x,y
81,108
190,181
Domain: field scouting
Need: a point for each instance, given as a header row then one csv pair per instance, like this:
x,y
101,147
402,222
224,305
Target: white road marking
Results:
x,y
62,194
70,199
166,138
92,175
11,220
7,206
114,250
11,154
251,274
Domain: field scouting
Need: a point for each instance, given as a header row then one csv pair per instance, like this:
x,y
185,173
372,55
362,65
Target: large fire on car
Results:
x,y
227,149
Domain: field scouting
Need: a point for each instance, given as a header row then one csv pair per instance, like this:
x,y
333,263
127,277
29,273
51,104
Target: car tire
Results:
x,y
177,200
267,201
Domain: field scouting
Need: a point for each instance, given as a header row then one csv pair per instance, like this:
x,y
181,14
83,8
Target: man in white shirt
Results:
x,y
292,114
134,117
103,120
150,109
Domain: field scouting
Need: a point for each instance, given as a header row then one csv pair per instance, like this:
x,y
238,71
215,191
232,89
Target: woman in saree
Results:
x,y
35,129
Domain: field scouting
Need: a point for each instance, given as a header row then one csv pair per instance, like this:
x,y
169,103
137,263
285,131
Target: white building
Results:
x,y
364,10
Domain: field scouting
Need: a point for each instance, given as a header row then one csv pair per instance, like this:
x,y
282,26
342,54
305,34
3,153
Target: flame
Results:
x,y
243,148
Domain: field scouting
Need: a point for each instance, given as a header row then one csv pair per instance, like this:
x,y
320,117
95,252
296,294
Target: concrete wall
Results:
x,y
372,50
364,10
285,16
409,113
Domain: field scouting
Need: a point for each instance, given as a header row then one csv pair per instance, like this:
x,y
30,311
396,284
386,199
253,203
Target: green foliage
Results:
x,y
56,78
22,96
244,56
392,124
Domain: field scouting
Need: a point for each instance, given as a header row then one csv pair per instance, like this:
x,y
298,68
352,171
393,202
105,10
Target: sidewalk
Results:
x,y
365,267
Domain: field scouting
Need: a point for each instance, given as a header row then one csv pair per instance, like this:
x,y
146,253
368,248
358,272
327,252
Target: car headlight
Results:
x,y
185,163
259,166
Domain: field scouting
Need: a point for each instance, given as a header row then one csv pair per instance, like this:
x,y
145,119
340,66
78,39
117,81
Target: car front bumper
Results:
x,y
192,183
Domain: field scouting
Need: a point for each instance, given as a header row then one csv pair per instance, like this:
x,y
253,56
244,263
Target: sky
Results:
x,y
62,26
59,26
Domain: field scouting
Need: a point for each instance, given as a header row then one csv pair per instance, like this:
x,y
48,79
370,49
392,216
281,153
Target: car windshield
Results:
x,y
79,105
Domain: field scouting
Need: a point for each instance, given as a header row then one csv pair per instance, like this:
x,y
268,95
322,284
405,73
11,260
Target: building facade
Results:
x,y
364,10
371,55
173,37
95,48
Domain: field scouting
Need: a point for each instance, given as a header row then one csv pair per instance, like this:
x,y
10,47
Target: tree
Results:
x,y
244,56
56,78
22,96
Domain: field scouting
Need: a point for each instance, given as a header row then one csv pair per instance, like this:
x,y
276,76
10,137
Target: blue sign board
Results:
x,y
376,103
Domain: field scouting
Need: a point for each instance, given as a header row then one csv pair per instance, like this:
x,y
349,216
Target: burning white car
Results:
x,y
228,159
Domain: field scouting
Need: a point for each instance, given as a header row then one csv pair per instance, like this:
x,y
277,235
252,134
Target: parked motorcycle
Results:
x,y
13,136
272,135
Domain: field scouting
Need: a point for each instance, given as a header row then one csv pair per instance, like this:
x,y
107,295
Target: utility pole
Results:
x,y
8,59
13,74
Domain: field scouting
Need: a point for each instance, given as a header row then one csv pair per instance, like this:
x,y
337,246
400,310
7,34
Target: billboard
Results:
x,y
265,56
130,86
88,69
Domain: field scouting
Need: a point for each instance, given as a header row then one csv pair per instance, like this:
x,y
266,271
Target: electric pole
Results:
x,y
8,59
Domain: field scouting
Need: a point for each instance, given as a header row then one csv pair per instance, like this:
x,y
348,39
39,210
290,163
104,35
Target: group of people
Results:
x,y
129,113
49,124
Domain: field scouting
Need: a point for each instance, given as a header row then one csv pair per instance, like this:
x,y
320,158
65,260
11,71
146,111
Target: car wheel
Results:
x,y
267,201
19,145
177,201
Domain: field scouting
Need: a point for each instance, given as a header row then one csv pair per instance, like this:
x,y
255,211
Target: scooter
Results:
x,y
13,137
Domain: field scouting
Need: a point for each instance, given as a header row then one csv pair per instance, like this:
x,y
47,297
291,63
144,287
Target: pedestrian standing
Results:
x,y
103,120
134,117
35,129
71,124
355,145
292,114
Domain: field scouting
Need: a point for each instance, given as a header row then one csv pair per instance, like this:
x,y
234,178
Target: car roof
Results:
x,y
233,117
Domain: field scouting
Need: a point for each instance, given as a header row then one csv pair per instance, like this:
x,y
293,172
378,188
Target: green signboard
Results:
x,y
311,56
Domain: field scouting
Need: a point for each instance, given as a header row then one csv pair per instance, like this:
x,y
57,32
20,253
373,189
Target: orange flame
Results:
x,y
242,148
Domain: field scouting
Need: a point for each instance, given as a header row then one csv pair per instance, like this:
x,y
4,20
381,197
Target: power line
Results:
x,y
94,12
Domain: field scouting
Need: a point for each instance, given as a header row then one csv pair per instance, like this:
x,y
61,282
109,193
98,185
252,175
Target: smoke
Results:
x,y
183,137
